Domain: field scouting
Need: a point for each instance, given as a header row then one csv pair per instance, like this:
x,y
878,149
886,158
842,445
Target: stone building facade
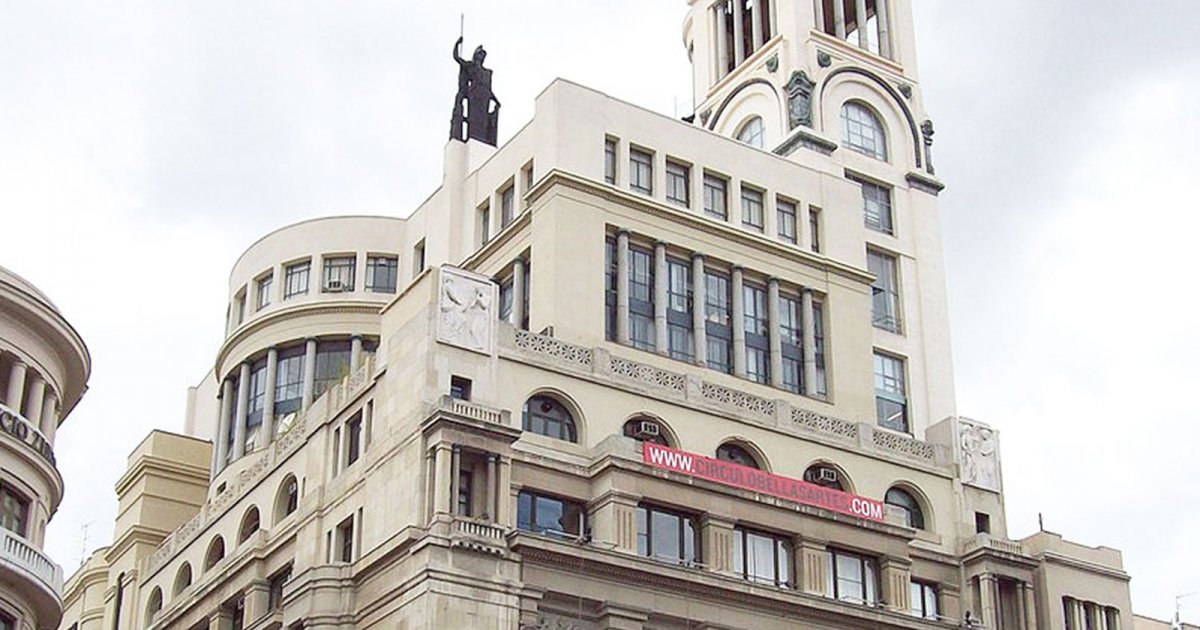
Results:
x,y
623,372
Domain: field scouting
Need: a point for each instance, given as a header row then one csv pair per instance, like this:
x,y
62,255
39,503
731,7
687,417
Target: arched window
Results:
x,y
751,132
646,429
216,552
546,416
287,498
250,524
862,130
731,452
183,579
154,605
825,475
903,499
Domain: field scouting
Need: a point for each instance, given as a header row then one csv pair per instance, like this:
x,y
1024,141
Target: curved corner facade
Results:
x,y
44,368
304,305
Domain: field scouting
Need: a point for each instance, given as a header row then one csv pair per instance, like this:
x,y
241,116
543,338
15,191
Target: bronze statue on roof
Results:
x,y
479,120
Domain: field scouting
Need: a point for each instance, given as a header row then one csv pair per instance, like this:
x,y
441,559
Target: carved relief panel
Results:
x,y
466,316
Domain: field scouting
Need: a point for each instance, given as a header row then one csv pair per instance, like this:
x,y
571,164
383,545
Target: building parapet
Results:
x,y
20,554
987,542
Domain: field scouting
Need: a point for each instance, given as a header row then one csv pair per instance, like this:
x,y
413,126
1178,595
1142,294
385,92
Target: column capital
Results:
x,y
310,340
773,280
660,243
357,336
518,260
806,290
697,256
735,268
622,231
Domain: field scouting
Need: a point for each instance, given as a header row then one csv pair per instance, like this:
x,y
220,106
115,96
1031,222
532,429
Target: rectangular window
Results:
x,y
791,337
460,388
527,178
543,514
506,300
289,380
885,294
14,511
761,558
665,535
610,160
338,274
485,223
717,317
891,403
877,207
755,321
295,280
679,310
418,258
381,273
983,523
345,540
610,289
814,227
354,438
240,306
923,600
641,298
785,215
641,171
752,209
275,588
818,314
258,391
333,365
715,199
264,290
852,578
678,183
506,206
463,500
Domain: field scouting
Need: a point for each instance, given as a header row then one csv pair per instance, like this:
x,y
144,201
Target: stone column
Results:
x,y
716,539
442,465
623,287
614,521
37,394
518,307
221,445
258,599
491,507
49,415
739,40
1027,598
820,15
810,341
662,344
722,46
885,35
860,21
355,353
266,433
772,27
774,337
839,20
812,566
455,468
310,372
896,576
756,27
243,406
16,385
699,299
505,497
738,302
987,600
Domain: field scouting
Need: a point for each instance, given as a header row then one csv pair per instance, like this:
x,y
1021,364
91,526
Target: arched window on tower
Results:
x,y
183,579
546,416
646,429
154,605
826,476
862,130
216,553
914,517
751,132
287,499
737,454
250,525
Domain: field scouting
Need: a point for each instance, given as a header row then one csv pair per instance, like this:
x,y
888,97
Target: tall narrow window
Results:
x,y
758,349
678,183
289,380
641,298
885,296
418,258
264,290
14,511
862,131
818,314
852,578
877,207
381,273
752,209
333,365
485,223
679,310
785,217
295,280
760,557
717,321
610,289
751,132
814,228
240,306
666,535
507,201
527,178
791,337
345,540
506,299
891,401
466,497
354,438
641,171
610,160
258,390
923,600
338,274
715,199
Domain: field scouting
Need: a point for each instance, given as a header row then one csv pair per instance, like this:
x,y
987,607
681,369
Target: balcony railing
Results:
x,y
15,425
986,541
19,553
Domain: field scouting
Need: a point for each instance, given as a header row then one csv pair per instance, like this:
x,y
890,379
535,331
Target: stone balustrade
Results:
x,y
21,555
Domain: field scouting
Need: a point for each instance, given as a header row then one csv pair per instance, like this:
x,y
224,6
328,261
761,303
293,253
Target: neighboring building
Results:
x,y
623,372
1146,623
44,369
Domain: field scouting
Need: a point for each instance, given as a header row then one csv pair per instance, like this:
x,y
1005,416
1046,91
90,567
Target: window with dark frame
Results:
x,y
716,201
610,289
667,535
791,338
814,227
923,599
852,578
862,131
641,171
382,272
460,388
736,454
546,416
719,332
877,206
464,500
785,216
291,494
295,279
332,365
680,340
645,429
610,160
752,209
885,293
762,558
544,514
289,380
354,438
678,183
275,588
418,258
641,298
264,291
818,315
891,398
983,523
507,205
756,325
345,540
14,510
258,392
485,223
914,516
338,274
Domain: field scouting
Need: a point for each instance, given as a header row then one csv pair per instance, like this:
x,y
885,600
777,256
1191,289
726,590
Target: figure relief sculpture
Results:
x,y
980,461
465,311
474,117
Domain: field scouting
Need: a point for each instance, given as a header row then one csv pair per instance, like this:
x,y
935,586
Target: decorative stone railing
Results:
x,y
21,554
598,362
986,541
23,431
473,411
329,404
478,529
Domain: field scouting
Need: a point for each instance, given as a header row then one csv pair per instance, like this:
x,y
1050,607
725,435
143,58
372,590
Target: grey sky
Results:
x,y
144,145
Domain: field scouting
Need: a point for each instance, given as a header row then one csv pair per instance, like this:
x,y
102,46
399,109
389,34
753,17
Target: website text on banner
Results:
x,y
747,478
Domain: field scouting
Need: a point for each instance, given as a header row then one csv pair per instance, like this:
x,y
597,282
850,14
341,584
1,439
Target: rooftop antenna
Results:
x,y
83,544
1177,624
1041,527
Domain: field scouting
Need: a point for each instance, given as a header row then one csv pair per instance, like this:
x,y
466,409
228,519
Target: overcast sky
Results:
x,y
145,145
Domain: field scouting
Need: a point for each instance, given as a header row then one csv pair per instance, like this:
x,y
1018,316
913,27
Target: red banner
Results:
x,y
738,476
